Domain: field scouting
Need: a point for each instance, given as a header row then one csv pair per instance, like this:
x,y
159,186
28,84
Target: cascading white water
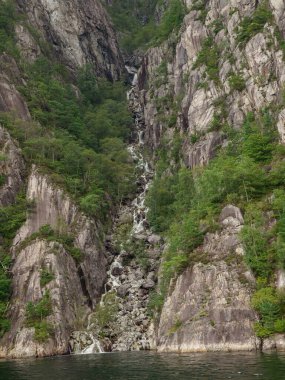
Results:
x,y
119,275
94,348
139,207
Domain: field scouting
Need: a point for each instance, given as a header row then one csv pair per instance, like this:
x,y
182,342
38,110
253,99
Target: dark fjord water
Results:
x,y
147,365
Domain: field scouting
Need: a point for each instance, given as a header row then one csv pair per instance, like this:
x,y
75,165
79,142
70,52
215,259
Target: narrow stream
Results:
x,y
127,279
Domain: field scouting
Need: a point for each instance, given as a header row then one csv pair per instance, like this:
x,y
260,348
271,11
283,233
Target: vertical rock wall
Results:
x,y
79,32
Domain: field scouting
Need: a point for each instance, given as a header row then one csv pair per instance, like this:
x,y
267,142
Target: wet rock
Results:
x,y
280,342
154,239
231,215
122,291
280,281
107,345
142,292
140,236
128,307
151,276
149,284
117,271
126,218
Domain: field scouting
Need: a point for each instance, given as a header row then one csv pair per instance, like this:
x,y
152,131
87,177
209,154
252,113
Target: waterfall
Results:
x,y
130,279
95,347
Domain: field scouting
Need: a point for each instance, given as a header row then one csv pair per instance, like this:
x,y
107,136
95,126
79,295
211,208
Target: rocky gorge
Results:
x,y
170,265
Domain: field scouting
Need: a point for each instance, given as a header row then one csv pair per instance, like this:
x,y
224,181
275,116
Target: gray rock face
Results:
x,y
79,31
209,307
54,207
231,215
12,166
26,43
80,34
260,63
10,98
204,150
66,296
74,290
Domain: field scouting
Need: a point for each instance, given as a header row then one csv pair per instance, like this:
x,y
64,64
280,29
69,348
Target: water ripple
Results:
x,y
148,366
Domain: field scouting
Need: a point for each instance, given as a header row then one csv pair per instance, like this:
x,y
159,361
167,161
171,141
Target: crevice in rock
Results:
x,y
84,287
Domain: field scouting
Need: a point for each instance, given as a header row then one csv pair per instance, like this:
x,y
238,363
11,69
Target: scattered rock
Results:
x,y
231,215
149,284
122,291
154,239
126,218
117,271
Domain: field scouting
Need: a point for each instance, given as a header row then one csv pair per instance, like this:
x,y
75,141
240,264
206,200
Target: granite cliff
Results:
x,y
207,90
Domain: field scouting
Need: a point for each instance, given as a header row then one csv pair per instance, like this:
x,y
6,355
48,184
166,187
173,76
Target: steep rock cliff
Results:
x,y
67,300
66,275
80,34
174,70
10,98
208,307
74,288
12,167
198,84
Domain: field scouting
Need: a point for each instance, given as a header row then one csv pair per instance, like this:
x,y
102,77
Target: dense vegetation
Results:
x,y
11,218
106,312
80,140
78,136
65,240
36,317
248,173
8,18
250,26
137,24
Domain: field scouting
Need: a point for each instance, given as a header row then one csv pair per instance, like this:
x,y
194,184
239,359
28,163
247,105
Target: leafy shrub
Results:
x,y
261,331
279,326
8,18
160,197
80,140
236,82
217,26
43,331
4,322
259,138
134,20
200,5
256,248
11,218
239,174
250,26
2,180
106,310
171,20
36,314
47,233
46,277
177,325
209,56
270,307
155,303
